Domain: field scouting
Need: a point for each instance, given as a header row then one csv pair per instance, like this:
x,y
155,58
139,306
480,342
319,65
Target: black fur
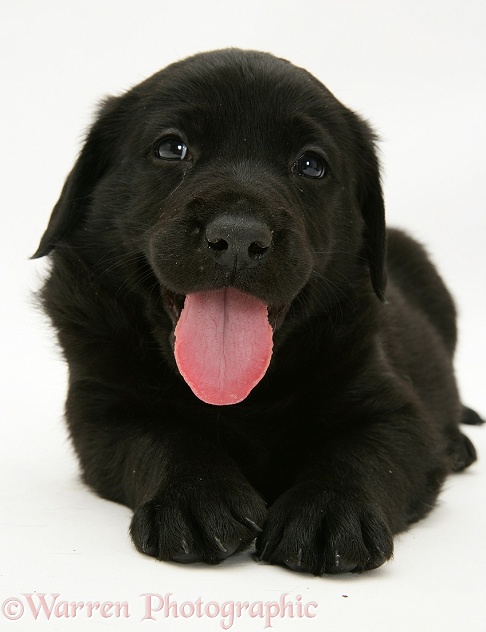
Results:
x,y
349,436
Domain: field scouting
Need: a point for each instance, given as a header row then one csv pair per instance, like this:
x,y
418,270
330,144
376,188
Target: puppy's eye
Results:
x,y
171,148
310,165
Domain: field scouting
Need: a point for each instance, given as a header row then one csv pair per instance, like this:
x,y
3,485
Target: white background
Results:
x,y
417,70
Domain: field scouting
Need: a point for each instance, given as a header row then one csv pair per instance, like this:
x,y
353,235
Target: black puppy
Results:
x,y
239,365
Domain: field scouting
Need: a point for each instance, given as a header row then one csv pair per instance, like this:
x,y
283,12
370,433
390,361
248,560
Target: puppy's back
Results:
x,y
412,272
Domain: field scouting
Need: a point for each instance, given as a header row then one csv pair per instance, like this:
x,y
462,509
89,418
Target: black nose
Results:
x,y
238,241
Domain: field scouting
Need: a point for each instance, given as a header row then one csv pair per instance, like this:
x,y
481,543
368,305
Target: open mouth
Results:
x,y
223,341
174,304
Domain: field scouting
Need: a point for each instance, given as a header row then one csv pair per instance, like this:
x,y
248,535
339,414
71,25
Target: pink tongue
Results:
x,y
223,344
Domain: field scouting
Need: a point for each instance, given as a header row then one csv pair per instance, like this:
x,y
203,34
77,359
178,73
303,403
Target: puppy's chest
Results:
x,y
269,450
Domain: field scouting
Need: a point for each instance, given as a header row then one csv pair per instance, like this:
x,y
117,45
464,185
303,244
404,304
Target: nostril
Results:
x,y
256,249
219,246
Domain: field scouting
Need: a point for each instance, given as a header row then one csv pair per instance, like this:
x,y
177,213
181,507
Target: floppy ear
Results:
x,y
75,196
370,198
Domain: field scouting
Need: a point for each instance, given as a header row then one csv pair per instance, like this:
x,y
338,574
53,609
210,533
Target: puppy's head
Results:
x,y
237,182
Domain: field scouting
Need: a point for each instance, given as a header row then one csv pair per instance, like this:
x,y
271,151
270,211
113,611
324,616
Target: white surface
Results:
x,y
417,70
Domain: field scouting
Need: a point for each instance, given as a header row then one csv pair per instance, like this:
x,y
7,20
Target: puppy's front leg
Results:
x,y
363,484
191,502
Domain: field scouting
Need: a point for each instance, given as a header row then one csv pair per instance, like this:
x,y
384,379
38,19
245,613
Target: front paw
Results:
x,y
320,531
199,519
